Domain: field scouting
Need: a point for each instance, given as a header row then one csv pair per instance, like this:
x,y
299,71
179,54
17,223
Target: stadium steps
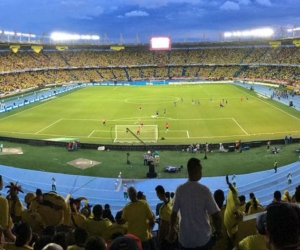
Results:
x,y
102,190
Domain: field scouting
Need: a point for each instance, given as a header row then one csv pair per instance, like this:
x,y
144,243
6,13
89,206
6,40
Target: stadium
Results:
x,y
113,100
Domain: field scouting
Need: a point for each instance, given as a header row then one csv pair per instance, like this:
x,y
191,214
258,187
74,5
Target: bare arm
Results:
x,y
172,230
217,220
233,190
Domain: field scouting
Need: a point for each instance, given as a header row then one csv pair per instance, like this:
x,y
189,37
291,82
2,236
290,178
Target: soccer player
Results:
x,y
104,121
165,111
167,127
138,132
142,123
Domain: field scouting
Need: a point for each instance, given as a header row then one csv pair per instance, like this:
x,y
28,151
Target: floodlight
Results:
x,y
94,37
294,29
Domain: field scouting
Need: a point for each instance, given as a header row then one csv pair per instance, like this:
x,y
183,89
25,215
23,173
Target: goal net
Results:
x,y
154,82
148,133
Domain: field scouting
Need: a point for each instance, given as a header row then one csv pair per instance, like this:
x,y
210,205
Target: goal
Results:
x,y
156,82
148,133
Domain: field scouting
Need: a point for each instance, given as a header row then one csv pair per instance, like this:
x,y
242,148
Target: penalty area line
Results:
x,y
48,126
188,134
240,126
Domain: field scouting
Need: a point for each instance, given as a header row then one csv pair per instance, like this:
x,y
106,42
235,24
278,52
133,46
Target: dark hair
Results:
x,y
49,230
242,198
255,204
124,243
80,236
251,195
172,195
97,210
193,164
106,206
42,242
219,197
277,195
160,189
38,192
24,234
297,194
95,243
282,223
60,239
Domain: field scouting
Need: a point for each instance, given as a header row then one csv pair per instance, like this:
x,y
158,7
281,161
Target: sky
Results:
x,y
128,21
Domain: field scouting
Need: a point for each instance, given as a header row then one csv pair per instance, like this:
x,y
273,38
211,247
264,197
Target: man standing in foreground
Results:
x,y
140,219
195,203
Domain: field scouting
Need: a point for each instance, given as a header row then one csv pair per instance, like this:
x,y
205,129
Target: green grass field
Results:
x,y
78,115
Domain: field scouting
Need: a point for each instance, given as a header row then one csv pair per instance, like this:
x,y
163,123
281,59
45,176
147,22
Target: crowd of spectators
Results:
x,y
27,69
51,222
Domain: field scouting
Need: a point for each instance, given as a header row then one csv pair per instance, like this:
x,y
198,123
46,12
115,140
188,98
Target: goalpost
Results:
x,y
153,82
148,133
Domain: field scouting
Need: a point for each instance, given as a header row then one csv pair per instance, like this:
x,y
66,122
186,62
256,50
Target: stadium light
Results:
x,y
294,29
60,36
262,32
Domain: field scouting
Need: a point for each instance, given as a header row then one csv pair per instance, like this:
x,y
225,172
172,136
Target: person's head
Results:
x,y
124,243
277,195
242,199
140,195
132,193
160,192
106,207
194,168
118,217
24,235
48,231
282,225
297,194
219,197
80,236
42,242
39,194
60,239
29,197
172,195
95,243
52,246
97,211
251,195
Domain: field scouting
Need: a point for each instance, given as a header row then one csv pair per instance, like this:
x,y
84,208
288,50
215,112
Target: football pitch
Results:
x,y
193,113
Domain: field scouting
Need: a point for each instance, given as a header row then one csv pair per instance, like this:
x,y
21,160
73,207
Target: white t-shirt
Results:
x,y
195,203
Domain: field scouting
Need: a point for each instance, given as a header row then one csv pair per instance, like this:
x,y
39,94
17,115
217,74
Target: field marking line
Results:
x,y
115,88
49,126
269,104
91,133
206,92
240,126
59,98
187,133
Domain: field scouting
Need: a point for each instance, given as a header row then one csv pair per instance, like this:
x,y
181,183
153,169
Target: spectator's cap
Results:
x,y
140,195
29,198
124,243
